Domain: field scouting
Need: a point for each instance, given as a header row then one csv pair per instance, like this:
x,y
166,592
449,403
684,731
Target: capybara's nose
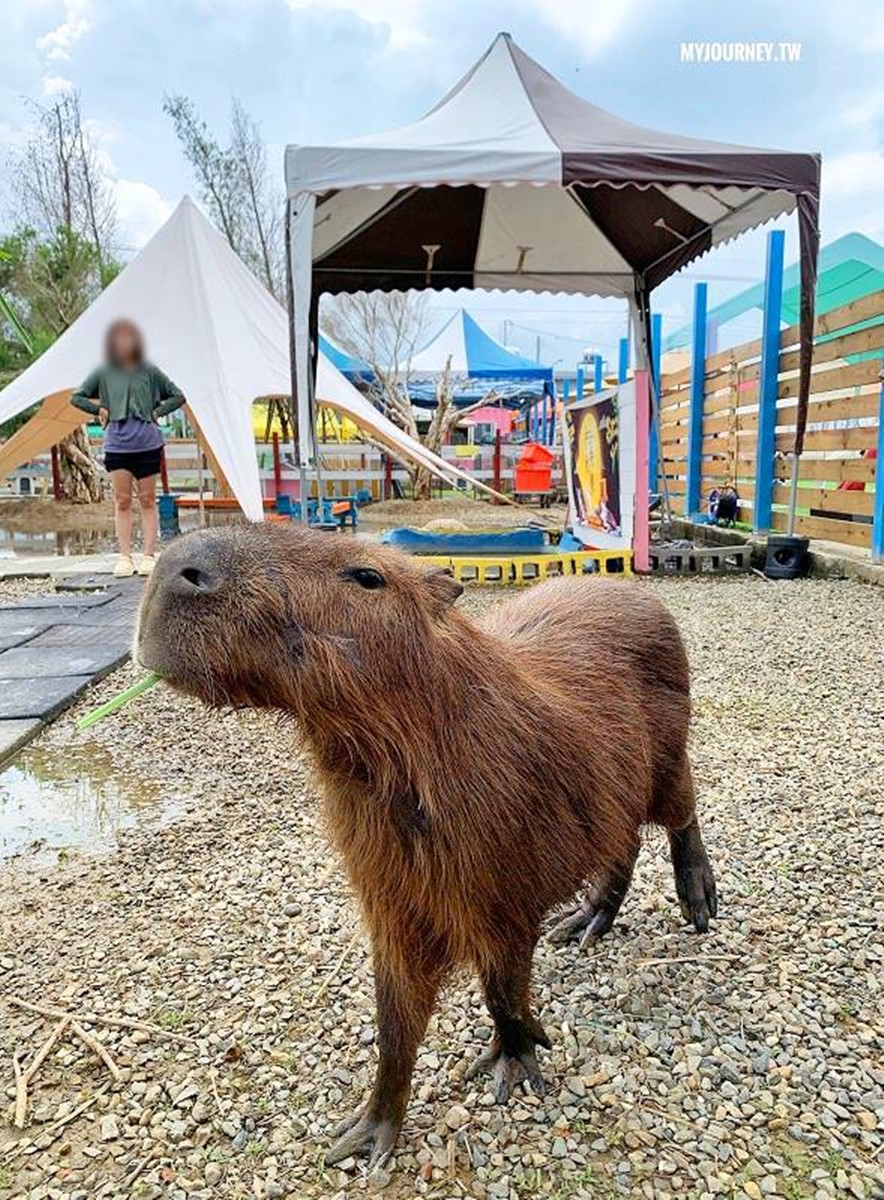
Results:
x,y
191,567
196,578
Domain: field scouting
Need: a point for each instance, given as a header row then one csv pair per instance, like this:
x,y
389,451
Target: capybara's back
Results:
x,y
615,642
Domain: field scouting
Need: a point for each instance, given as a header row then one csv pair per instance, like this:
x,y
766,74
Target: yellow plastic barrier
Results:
x,y
520,569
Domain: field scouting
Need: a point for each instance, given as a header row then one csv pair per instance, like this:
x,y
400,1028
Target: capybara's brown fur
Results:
x,y
475,774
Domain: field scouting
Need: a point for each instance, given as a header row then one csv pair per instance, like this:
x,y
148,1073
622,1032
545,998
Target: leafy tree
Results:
x,y
236,187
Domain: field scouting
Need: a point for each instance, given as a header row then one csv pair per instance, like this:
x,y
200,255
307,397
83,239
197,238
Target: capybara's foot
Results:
x,y
507,1070
595,916
362,1134
514,1065
590,920
694,877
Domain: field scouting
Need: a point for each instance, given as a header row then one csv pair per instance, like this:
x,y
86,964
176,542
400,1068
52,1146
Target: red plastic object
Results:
x,y
534,469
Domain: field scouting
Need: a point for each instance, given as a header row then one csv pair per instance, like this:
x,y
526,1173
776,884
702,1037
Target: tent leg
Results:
x,y
793,495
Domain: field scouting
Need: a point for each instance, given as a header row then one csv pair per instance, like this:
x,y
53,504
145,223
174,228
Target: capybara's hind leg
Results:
x,y
511,1058
595,915
405,995
694,878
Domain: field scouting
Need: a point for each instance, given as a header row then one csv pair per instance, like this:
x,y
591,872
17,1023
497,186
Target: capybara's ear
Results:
x,y
444,587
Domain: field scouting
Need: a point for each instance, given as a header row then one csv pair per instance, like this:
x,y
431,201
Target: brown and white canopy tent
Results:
x,y
513,182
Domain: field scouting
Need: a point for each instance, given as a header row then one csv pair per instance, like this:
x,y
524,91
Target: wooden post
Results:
x,y
765,447
654,382
641,526
496,463
388,476
57,486
878,519
695,411
164,472
623,361
277,467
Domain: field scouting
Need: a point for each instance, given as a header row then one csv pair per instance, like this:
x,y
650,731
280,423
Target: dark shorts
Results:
x,y
140,464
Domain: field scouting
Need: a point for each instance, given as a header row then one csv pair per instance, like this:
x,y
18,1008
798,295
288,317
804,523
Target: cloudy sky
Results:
x,y
316,69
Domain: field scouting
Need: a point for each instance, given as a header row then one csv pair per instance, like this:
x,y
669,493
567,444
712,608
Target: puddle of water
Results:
x,y
52,799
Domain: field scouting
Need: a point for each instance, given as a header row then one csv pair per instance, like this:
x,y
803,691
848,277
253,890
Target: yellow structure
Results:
x,y
519,569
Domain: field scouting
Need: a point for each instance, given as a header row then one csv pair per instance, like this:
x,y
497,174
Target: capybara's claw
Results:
x,y
507,1070
361,1134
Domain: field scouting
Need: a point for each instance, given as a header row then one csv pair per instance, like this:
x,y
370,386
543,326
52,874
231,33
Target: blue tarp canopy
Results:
x,y
351,368
473,353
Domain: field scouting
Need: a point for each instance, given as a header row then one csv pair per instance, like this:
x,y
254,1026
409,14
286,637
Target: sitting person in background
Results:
x,y
128,395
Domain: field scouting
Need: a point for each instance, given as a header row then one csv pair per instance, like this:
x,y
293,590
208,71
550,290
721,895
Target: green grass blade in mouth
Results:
x,y
121,698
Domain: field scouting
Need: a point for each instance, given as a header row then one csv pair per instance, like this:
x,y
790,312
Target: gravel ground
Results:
x,y
475,514
747,1063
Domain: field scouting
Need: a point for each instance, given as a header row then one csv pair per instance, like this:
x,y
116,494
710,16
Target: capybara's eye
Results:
x,y
366,577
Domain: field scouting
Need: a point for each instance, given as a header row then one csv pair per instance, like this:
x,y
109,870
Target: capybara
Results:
x,y
475,774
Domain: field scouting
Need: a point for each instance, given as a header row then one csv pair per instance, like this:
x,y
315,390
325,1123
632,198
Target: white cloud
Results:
x,y
403,18
595,27
57,44
853,184
55,85
141,210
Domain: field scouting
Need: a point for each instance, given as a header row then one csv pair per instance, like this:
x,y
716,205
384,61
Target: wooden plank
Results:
x,y
832,470
840,408
862,309
731,423
858,342
863,438
851,533
830,500
840,379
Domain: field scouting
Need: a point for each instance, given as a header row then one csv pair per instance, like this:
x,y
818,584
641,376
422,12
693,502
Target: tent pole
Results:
x,y
793,494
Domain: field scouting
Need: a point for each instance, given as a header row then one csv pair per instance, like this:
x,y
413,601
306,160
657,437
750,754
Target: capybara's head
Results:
x,y
282,616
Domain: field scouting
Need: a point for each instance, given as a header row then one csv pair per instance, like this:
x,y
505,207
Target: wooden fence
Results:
x,y
712,414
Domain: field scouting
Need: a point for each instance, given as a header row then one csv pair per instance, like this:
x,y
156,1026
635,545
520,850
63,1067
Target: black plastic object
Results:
x,y
787,557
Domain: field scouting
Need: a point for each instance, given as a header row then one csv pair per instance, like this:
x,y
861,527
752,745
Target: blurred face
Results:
x,y
280,616
125,346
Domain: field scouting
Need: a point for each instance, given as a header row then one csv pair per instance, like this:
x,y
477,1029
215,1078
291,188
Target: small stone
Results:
x,y
867,1119
292,910
761,1063
575,1086
560,1148
213,1173
379,1179
753,1190
456,1117
109,1128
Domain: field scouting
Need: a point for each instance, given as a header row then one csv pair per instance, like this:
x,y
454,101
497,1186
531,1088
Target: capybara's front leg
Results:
x,y
595,915
511,1058
694,878
404,996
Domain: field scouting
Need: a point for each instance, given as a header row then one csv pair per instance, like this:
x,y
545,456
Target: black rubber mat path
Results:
x,y
52,647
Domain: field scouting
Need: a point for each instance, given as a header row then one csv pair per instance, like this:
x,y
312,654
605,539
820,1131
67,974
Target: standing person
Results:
x,y
128,395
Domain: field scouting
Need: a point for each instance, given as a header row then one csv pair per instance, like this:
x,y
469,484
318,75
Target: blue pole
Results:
x,y
767,383
579,383
695,417
878,519
552,417
543,439
599,381
623,361
567,390
653,446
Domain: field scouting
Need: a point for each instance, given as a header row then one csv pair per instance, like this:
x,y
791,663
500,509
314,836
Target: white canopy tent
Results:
x,y
216,331
512,181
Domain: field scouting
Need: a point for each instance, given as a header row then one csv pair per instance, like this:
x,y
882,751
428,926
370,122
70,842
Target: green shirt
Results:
x,y
145,393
